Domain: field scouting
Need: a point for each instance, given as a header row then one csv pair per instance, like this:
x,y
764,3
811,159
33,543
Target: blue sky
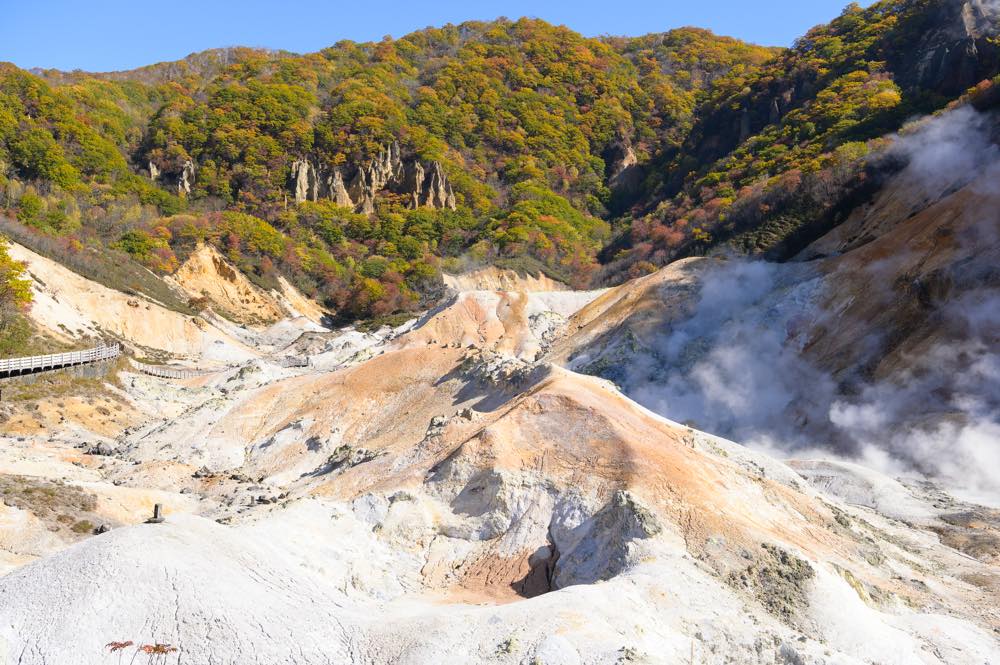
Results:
x,y
102,35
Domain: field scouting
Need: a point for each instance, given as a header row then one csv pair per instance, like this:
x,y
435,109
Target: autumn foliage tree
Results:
x,y
15,296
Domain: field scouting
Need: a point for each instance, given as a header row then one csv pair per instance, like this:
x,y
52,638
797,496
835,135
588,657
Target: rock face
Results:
x,y
959,53
624,175
304,178
337,191
599,548
185,175
186,178
384,172
423,185
436,189
206,275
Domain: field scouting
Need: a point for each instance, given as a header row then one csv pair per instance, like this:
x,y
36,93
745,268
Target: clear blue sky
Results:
x,y
102,35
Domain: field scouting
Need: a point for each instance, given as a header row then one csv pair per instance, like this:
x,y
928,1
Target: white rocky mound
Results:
x,y
445,493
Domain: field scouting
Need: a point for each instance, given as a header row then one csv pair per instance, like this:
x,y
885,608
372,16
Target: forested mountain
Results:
x,y
364,169
777,152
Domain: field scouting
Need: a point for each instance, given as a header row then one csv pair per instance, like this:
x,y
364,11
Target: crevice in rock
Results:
x,y
541,572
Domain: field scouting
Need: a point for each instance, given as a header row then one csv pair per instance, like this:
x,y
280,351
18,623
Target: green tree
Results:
x,y
15,297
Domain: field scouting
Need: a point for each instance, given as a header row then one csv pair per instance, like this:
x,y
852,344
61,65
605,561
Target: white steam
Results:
x,y
940,417
946,152
731,367
736,365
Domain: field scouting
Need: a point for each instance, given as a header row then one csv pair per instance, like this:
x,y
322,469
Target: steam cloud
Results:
x,y
734,367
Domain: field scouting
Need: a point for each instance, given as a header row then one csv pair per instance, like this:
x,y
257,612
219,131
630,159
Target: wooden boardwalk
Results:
x,y
32,364
167,372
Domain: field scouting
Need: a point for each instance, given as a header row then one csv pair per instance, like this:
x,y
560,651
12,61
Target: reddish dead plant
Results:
x,y
118,647
154,651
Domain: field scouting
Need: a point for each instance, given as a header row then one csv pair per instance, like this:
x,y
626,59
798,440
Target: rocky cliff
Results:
x,y
422,184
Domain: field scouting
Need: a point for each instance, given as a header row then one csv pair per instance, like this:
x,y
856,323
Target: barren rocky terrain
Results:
x,y
453,491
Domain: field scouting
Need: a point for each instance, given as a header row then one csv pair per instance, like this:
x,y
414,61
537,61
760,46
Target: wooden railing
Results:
x,y
32,364
165,372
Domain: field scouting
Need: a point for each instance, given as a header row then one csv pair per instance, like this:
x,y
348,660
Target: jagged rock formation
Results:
x,y
436,191
304,179
424,185
621,161
185,177
337,190
385,171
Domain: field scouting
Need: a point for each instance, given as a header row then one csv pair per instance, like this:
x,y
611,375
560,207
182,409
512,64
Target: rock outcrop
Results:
x,y
337,190
960,52
423,185
206,276
624,175
436,191
384,172
304,181
186,178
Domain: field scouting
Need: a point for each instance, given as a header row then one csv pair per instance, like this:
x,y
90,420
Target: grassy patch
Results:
x,y
530,266
778,580
83,527
66,509
22,338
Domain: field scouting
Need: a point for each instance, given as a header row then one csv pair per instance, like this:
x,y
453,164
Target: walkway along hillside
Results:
x,y
33,364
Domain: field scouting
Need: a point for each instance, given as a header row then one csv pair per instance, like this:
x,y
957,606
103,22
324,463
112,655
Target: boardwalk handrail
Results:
x,y
165,372
29,364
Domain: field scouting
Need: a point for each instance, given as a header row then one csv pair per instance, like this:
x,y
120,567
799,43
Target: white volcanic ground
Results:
x,y
446,493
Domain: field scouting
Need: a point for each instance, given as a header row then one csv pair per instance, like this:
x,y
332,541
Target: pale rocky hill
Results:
x,y
206,274
492,278
444,496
